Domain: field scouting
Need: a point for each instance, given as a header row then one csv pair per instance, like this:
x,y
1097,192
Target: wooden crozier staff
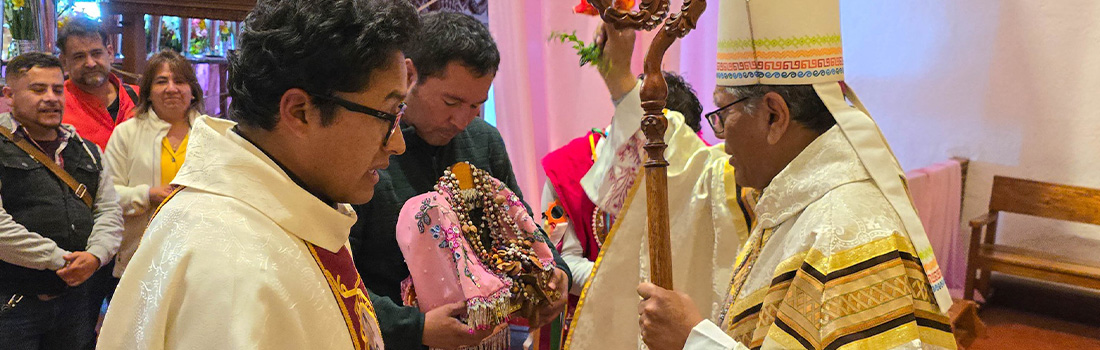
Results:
x,y
654,91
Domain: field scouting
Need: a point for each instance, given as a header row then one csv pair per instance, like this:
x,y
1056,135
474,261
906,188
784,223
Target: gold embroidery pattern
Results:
x,y
369,334
882,299
745,261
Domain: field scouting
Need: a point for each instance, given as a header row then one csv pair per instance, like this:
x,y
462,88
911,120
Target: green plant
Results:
x,y
589,53
169,39
197,45
22,19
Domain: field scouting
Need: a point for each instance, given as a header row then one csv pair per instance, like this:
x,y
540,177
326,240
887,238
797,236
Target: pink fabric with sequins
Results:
x,y
443,268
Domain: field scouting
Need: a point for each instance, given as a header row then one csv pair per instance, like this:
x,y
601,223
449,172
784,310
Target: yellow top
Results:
x,y
171,159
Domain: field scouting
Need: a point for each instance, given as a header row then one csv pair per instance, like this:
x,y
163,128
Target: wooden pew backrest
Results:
x,y
1035,198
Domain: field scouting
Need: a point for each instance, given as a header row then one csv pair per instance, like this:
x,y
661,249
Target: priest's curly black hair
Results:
x,y
320,46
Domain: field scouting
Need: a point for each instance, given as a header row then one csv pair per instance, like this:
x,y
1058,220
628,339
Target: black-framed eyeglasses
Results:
x,y
714,118
394,119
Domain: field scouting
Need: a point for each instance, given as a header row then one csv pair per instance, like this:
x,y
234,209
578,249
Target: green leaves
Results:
x,y
198,45
589,53
22,19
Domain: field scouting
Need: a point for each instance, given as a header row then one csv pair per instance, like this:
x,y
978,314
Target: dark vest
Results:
x,y
38,200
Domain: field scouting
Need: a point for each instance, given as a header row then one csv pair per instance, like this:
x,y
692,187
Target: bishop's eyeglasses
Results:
x,y
715,119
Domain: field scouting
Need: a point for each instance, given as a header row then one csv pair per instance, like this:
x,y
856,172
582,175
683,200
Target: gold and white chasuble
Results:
x,y
828,266
707,219
838,258
241,258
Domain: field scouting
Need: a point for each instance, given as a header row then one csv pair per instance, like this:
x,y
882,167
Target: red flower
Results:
x,y
585,8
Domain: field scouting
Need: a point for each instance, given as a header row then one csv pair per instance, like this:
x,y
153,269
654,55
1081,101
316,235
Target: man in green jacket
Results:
x,y
456,60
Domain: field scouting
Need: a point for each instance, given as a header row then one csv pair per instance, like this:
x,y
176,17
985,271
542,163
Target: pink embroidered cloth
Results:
x,y
444,269
937,196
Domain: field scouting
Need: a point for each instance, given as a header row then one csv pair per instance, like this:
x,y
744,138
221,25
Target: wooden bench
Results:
x,y
1034,198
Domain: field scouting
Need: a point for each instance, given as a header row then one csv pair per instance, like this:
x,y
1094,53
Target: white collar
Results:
x,y
221,162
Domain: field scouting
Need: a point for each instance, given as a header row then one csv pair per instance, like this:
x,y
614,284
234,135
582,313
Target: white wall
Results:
x,y
1011,84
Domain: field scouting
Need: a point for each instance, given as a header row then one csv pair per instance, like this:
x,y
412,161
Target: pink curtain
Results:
x,y
544,99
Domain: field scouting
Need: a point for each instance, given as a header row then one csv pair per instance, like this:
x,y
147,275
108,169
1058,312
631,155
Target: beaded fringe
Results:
x,y
489,312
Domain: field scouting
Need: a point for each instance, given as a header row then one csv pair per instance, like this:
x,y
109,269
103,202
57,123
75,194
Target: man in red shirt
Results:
x,y
95,100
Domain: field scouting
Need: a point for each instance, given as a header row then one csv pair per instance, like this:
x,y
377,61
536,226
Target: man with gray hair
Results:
x,y
95,99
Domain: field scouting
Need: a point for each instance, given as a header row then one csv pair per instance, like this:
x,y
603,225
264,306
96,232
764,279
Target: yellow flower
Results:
x,y
202,25
18,4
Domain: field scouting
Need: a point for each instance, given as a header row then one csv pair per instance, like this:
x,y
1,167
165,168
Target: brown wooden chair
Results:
x,y
965,323
1011,195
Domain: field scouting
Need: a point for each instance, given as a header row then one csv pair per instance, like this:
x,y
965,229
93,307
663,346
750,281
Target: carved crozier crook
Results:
x,y
654,91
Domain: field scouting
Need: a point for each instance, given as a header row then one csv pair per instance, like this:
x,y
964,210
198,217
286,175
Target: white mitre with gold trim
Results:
x,y
797,42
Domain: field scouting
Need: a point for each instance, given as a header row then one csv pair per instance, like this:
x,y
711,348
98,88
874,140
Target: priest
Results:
x,y
252,251
838,257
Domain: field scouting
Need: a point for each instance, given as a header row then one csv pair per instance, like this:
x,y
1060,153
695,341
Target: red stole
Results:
x,y
347,286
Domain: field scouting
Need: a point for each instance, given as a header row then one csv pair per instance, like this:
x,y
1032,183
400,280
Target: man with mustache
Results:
x,y
95,100
59,214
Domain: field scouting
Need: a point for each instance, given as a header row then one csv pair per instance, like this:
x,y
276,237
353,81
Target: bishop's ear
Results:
x,y
778,115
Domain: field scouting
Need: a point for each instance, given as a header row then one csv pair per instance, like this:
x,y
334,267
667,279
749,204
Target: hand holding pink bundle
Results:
x,y
474,242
